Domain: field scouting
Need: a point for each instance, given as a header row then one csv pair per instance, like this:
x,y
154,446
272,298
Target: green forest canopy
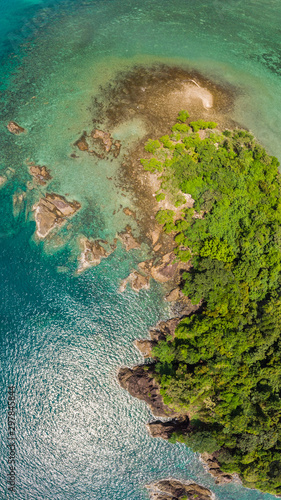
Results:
x,y
223,366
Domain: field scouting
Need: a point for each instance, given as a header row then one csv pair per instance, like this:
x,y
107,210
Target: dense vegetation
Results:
x,y
223,366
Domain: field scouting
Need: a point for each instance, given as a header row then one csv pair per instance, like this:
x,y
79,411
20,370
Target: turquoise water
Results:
x,y
63,336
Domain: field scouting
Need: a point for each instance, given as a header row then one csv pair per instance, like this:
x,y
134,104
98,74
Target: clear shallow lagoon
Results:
x,y
63,337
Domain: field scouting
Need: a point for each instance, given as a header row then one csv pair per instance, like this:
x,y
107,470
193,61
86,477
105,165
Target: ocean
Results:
x,y
63,335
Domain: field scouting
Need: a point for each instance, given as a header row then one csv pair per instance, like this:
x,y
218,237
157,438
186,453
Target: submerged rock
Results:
x,y
139,382
14,128
116,148
93,253
51,211
128,239
172,489
40,174
137,281
105,138
165,269
129,212
99,143
82,143
3,180
18,202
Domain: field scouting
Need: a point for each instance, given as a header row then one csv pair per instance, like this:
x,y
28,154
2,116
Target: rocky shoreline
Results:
x,y
162,267
140,383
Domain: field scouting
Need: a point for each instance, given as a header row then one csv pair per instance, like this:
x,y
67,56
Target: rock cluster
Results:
x,y
99,143
104,137
163,269
93,251
82,143
41,175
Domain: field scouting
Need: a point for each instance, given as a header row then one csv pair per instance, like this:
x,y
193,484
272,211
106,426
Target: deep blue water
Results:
x,y
63,336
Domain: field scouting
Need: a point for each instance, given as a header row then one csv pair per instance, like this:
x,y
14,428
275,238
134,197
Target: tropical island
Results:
x,y
213,368
216,371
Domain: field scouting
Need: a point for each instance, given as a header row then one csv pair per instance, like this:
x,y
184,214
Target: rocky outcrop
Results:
x,y
139,282
136,280
82,143
172,489
145,266
166,269
128,239
93,252
145,347
163,270
173,295
138,381
41,175
212,465
163,329
157,428
14,128
53,210
158,333
154,234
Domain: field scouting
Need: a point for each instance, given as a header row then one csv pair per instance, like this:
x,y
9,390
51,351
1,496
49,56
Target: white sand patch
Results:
x,y
191,91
